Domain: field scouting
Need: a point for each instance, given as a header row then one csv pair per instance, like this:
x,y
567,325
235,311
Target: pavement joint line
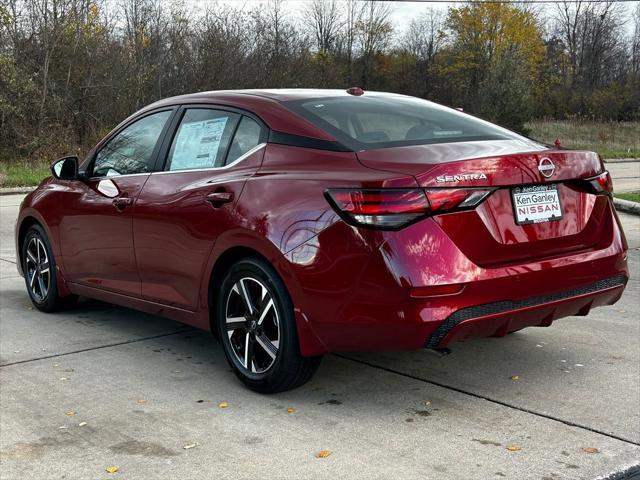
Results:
x,y
8,261
489,399
117,344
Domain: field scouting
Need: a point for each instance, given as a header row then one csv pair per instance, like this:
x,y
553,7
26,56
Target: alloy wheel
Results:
x,y
37,269
253,325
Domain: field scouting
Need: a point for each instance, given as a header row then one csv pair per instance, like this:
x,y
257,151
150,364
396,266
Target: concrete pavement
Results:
x,y
147,387
625,174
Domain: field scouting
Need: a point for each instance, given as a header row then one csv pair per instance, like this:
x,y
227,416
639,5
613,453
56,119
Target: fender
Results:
x,y
54,241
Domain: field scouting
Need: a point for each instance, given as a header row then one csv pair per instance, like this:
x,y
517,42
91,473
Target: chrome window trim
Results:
x,y
224,167
107,177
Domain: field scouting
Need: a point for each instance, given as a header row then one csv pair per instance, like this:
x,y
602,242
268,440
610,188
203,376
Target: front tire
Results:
x,y
39,267
257,329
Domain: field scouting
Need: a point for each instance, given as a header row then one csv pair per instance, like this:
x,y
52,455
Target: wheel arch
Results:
x,y
223,263
26,223
310,344
27,220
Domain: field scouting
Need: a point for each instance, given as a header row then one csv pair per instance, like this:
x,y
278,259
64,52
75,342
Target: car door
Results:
x,y
96,230
183,209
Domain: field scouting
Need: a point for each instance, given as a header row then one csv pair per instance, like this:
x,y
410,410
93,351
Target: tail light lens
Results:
x,y
601,183
391,209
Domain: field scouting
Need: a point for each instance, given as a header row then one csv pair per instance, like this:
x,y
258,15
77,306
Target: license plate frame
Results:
x,y
538,197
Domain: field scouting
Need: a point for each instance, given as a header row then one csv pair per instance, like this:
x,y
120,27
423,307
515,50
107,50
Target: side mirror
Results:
x,y
66,168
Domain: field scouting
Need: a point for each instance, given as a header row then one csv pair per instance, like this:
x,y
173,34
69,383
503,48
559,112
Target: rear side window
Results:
x,y
247,137
202,139
379,122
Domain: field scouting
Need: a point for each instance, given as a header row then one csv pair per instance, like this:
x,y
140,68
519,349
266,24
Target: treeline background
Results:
x,y
72,69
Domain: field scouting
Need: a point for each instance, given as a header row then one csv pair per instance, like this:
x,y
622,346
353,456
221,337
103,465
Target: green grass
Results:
x,y
25,174
631,196
609,139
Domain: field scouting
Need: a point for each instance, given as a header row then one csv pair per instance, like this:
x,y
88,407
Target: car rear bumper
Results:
x,y
381,299
487,307
500,318
374,309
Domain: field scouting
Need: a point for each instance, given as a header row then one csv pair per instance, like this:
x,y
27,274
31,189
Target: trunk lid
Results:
x,y
489,234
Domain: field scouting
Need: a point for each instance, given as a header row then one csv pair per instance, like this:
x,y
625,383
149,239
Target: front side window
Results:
x,y
131,150
388,121
202,139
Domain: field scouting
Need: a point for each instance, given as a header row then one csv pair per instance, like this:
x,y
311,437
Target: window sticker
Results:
x,y
197,144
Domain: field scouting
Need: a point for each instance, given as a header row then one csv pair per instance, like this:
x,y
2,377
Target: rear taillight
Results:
x,y
601,183
394,208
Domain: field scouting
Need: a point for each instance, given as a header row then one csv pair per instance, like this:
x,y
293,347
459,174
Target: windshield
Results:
x,y
362,123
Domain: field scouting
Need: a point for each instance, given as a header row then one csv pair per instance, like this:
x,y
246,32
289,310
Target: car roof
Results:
x,y
277,94
266,104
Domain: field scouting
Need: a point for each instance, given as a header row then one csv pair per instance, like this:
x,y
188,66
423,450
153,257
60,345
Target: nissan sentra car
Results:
x,y
294,223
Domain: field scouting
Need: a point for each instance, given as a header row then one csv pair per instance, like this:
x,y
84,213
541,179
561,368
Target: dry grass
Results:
x,y
609,139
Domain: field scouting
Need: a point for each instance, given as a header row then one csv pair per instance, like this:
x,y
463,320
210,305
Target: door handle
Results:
x,y
121,202
217,199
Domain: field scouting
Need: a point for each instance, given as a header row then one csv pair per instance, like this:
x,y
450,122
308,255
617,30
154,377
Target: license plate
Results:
x,y
536,204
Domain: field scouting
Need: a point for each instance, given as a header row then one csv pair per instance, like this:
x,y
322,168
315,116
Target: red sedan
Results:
x,y
292,223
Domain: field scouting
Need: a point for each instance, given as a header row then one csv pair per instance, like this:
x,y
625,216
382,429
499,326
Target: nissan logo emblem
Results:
x,y
546,167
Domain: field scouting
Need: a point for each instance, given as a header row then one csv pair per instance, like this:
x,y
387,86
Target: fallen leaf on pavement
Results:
x,y
142,401
590,450
323,454
513,448
112,469
82,424
70,413
191,445
223,405
515,377
291,410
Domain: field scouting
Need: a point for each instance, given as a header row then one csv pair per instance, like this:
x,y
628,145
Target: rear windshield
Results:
x,y
362,123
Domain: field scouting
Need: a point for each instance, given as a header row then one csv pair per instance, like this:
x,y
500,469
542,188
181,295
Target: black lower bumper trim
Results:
x,y
505,306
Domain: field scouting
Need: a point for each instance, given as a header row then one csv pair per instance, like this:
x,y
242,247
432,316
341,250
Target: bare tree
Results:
x,y
373,34
635,42
352,13
592,36
424,35
324,19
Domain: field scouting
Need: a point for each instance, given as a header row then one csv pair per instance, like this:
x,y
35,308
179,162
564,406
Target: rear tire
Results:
x,y
39,267
256,323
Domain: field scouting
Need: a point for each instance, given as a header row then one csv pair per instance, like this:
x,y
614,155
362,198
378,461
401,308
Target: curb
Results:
x,y
16,190
621,160
626,206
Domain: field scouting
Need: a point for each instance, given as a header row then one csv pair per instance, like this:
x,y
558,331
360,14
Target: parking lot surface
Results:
x,y
101,386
